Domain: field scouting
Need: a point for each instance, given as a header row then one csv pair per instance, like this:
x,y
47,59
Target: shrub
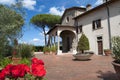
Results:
x,y
116,48
5,50
46,49
25,61
38,48
4,62
53,48
83,43
26,50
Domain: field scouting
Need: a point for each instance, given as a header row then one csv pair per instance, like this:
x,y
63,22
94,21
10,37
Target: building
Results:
x,y
99,24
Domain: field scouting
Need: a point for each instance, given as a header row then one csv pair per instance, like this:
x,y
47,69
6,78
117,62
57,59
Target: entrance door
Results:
x,y
100,48
68,44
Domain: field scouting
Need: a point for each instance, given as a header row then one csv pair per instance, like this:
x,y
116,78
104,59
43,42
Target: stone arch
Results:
x,y
67,40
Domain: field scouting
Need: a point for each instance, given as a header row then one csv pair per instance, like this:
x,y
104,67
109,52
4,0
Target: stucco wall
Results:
x,y
115,18
86,22
71,14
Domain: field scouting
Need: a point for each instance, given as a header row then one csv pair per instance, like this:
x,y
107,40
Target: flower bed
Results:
x,y
33,72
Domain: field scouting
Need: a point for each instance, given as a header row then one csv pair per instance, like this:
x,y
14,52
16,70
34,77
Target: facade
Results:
x,y
99,24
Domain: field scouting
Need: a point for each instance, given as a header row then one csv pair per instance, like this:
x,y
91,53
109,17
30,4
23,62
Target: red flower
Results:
x,y
19,70
37,61
24,69
38,70
2,76
15,71
7,69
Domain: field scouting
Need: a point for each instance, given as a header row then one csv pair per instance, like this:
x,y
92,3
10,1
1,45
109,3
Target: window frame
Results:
x,y
96,24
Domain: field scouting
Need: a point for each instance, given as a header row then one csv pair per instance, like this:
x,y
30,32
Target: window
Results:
x,y
67,19
99,38
79,29
96,24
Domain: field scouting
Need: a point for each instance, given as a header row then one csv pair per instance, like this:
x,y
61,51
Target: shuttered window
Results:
x,y
96,24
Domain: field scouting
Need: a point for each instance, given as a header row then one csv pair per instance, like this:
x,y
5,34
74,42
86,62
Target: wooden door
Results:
x,y
100,48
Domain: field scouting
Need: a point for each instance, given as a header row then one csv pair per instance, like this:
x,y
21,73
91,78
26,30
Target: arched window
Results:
x,y
67,19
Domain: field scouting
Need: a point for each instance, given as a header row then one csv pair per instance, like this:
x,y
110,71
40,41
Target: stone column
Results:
x,y
51,41
54,41
59,52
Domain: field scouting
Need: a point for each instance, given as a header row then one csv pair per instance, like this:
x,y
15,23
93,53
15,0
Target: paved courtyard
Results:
x,y
64,67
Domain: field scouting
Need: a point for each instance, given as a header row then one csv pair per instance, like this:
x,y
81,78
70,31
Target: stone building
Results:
x,y
99,24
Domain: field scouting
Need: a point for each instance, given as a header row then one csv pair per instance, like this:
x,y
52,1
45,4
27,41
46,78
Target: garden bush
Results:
x,y
46,49
26,50
4,62
25,61
116,48
53,48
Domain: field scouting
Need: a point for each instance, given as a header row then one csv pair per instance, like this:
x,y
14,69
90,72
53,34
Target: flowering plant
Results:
x,y
36,70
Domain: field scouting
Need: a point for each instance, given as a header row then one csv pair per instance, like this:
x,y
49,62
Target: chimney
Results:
x,y
88,7
104,1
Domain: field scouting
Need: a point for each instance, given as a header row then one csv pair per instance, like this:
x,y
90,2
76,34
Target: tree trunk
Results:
x,y
82,51
45,36
48,44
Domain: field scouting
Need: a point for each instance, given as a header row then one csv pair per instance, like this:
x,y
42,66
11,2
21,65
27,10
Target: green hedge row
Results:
x,y
38,48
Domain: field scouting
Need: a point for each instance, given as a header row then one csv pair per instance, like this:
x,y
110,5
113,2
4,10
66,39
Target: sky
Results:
x,y
31,35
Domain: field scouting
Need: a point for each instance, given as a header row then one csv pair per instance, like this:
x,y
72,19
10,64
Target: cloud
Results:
x,y
29,4
98,2
36,40
82,6
41,8
7,2
77,1
57,10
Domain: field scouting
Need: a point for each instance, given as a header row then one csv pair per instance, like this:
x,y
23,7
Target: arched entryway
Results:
x,y
67,40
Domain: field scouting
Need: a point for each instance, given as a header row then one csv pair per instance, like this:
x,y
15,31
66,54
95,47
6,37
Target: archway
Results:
x,y
67,40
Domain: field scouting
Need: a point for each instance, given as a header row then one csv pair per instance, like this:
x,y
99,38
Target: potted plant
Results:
x,y
54,50
83,46
116,54
107,52
46,50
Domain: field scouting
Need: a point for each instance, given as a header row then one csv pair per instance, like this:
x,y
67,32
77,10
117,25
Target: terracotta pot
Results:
x,y
15,60
107,52
117,68
47,53
54,53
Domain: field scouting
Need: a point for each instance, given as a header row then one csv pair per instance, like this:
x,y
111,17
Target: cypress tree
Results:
x,y
83,43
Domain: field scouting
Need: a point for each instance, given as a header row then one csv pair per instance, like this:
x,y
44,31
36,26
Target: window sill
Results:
x,y
97,28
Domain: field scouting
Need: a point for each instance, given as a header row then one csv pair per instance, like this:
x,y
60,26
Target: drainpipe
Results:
x,y
109,28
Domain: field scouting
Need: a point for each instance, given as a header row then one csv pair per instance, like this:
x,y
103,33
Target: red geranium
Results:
x,y
7,69
2,76
38,67
19,70
38,70
16,71
23,69
37,61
